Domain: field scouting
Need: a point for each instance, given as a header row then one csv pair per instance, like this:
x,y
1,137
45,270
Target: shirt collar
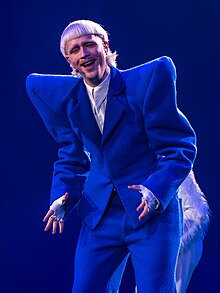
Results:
x,y
98,94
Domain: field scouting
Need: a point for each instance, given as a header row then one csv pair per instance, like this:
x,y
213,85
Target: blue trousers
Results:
x,y
153,249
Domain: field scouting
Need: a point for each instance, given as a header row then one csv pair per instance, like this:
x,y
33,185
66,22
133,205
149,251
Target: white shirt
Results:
x,y
98,99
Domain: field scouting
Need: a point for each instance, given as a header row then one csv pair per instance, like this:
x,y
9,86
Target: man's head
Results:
x,y
85,46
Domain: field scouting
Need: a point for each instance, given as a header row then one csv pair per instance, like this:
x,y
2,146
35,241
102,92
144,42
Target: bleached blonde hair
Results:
x,y
83,27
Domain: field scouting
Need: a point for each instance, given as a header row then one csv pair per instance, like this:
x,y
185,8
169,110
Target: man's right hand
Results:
x,y
55,215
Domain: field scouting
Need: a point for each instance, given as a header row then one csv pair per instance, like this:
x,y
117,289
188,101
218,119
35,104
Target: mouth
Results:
x,y
87,63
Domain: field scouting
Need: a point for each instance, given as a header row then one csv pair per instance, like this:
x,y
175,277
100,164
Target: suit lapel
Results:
x,y
83,117
115,108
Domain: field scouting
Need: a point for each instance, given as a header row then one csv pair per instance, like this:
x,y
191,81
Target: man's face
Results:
x,y
88,55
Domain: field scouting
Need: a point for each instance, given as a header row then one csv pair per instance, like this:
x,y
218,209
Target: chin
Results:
x,y
92,76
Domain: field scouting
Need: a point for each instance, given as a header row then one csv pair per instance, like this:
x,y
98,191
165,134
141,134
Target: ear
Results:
x,y
106,46
67,59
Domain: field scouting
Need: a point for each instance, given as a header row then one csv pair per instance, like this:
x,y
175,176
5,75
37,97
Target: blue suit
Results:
x,y
146,140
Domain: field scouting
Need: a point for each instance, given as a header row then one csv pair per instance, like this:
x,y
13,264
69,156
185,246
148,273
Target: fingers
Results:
x,y
53,222
145,211
48,215
135,187
143,206
57,223
49,223
61,226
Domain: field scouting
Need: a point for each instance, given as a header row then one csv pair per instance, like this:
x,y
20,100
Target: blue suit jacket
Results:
x,y
146,139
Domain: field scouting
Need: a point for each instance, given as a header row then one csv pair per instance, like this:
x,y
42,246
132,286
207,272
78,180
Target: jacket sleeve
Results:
x,y
70,170
171,137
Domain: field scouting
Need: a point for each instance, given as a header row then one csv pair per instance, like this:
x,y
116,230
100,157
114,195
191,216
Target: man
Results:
x,y
124,150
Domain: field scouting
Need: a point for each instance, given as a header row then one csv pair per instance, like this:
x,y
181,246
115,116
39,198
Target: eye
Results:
x,y
74,50
90,44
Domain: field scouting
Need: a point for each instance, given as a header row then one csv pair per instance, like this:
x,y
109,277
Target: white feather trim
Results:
x,y
196,212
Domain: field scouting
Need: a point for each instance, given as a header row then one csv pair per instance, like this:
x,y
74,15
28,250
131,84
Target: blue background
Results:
x,y
188,31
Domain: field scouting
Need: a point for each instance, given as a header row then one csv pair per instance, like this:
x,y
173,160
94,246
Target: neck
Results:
x,y
97,81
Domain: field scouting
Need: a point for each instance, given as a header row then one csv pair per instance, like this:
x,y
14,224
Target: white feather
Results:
x,y
196,212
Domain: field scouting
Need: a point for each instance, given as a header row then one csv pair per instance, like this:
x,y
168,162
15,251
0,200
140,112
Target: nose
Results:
x,y
84,52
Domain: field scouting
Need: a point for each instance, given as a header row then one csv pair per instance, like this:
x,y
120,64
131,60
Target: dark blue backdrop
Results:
x,y
188,31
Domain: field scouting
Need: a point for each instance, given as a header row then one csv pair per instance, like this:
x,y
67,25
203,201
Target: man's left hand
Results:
x,y
143,206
